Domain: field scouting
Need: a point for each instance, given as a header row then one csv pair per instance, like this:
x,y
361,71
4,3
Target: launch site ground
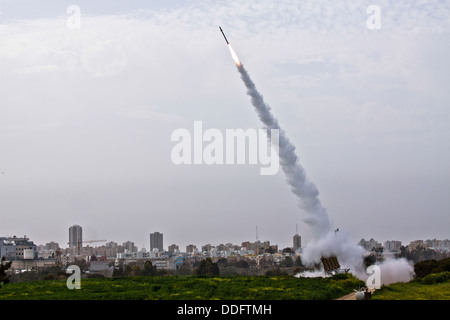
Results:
x,y
431,287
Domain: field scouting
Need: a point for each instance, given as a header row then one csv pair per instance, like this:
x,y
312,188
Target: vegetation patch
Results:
x,y
435,286
186,288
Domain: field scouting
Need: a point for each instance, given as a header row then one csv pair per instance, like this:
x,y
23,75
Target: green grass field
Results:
x,y
186,288
432,287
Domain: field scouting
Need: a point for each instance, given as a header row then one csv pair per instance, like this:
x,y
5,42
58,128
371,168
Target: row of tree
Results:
x,y
4,277
136,270
426,267
421,253
201,268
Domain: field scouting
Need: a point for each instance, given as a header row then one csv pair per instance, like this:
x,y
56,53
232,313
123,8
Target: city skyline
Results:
x,y
296,241
143,240
92,93
26,254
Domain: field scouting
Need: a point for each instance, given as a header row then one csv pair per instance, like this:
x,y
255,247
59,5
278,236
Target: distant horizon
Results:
x,y
147,247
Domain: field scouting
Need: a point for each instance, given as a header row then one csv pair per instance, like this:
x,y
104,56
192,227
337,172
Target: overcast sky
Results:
x,y
87,111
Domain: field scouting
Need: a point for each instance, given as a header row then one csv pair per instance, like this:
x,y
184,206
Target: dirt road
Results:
x,y
352,296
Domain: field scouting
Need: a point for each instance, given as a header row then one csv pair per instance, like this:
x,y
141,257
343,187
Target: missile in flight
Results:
x,y
224,35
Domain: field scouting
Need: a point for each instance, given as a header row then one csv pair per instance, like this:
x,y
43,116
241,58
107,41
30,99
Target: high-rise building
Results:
x,y
52,246
156,241
297,242
370,245
75,236
173,248
392,246
207,247
190,248
129,246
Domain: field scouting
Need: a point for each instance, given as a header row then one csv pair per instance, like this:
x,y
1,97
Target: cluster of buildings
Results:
x,y
13,248
395,245
438,245
25,255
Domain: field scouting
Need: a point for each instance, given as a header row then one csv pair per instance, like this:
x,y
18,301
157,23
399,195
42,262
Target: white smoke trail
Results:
x,y
325,241
304,189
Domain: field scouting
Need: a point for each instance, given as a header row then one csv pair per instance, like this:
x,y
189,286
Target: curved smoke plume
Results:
x,y
326,242
306,191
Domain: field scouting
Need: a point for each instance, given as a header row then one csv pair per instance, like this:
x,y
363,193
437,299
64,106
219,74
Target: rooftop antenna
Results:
x,y
256,233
